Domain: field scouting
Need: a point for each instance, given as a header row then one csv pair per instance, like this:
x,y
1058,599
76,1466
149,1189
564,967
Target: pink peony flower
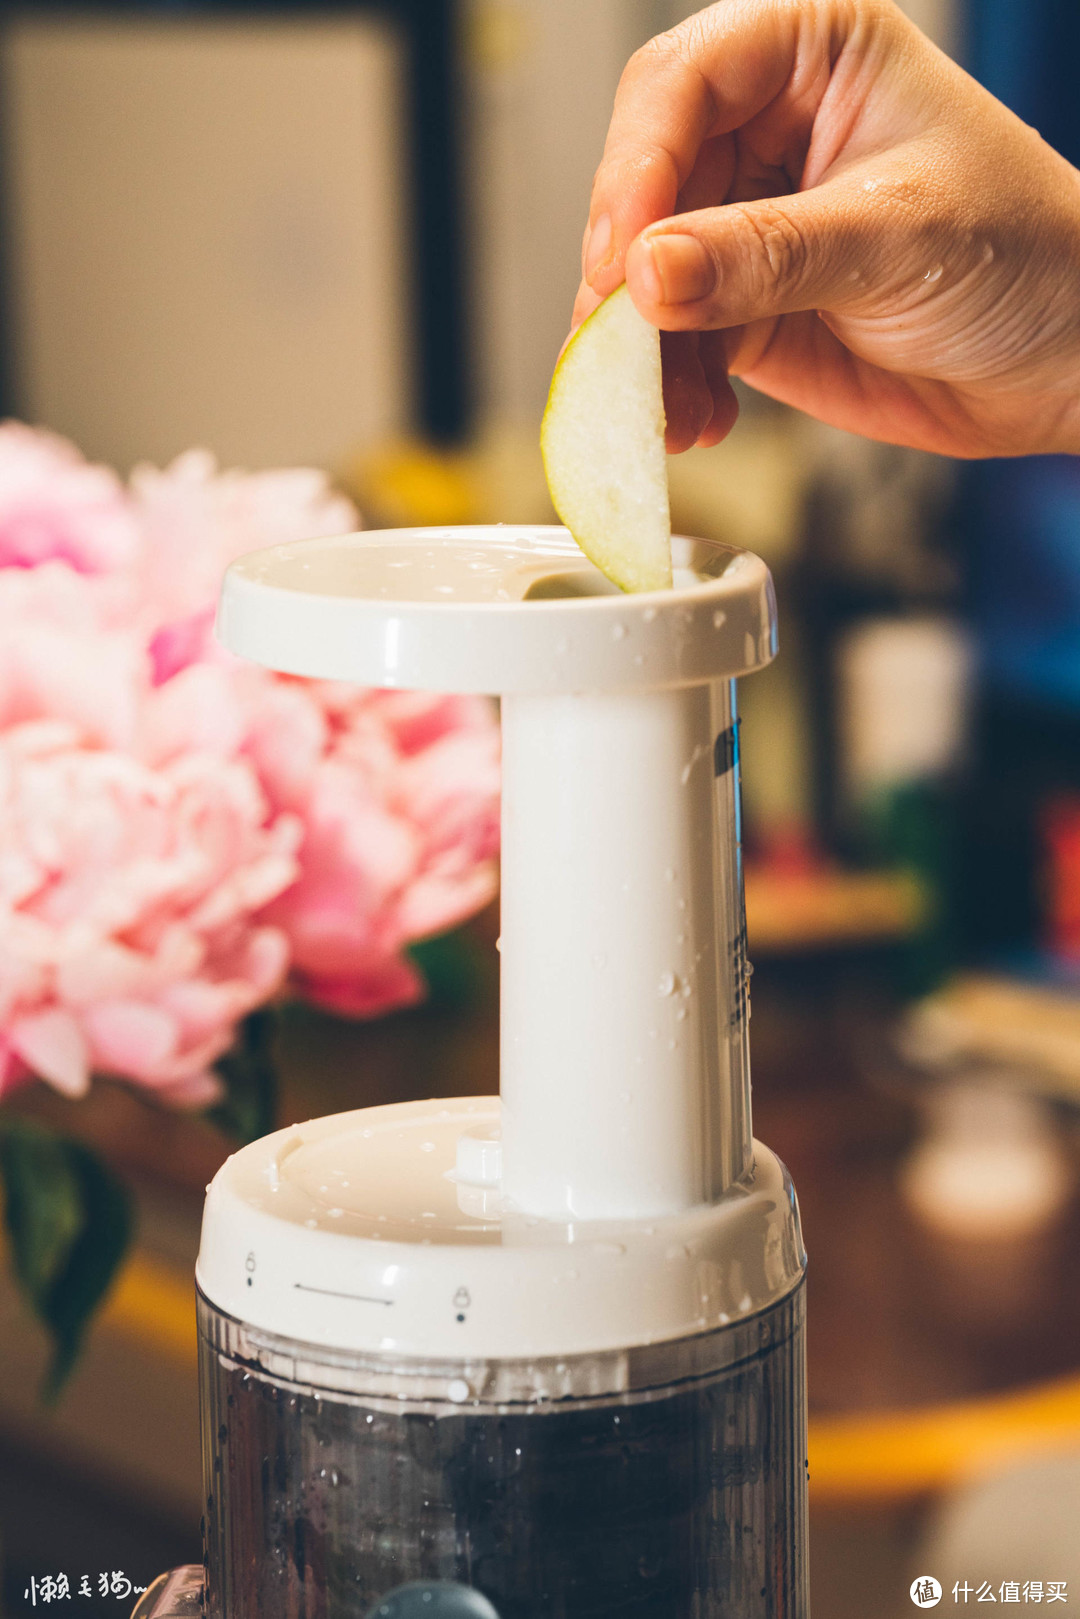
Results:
x,y
64,656
181,833
398,797
195,520
128,898
400,810
54,506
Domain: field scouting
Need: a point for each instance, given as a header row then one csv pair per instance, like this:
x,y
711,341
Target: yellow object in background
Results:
x,y
407,483
499,478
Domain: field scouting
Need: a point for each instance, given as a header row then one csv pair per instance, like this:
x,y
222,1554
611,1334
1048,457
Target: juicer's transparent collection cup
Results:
x,y
678,1492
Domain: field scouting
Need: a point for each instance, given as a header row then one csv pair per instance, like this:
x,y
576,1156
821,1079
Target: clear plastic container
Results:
x,y
666,1482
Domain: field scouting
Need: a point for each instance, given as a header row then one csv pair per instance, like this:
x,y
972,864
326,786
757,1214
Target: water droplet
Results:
x,y
680,1015
988,254
690,763
311,1224
667,984
719,619
935,274
618,632
335,1214
427,1146
457,1390
649,614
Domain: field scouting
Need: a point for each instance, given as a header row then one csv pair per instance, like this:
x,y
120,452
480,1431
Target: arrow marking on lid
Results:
x,y
331,1293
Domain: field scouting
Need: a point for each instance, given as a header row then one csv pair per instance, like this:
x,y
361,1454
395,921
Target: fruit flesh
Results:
x,y
602,440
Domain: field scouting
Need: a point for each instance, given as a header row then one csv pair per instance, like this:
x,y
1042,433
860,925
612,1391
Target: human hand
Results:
x,y
808,195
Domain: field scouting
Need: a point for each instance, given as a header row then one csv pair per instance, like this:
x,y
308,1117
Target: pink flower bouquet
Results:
x,y
184,837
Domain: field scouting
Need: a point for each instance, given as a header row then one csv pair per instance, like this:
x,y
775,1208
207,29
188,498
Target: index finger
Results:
x,y
707,77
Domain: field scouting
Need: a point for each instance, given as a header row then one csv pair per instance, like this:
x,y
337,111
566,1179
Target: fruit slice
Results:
x,y
602,439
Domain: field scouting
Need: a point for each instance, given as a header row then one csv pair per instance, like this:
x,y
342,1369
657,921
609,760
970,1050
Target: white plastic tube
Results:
x,y
624,1078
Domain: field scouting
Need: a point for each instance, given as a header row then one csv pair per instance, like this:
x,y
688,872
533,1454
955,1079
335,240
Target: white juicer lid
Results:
x,y
354,1232
440,609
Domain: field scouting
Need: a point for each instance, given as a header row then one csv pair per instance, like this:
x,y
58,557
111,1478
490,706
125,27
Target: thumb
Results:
x,y
747,261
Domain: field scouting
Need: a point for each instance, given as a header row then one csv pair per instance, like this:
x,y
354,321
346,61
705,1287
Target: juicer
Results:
x,y
538,1356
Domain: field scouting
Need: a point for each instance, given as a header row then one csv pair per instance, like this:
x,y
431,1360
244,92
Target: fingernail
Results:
x,y
683,269
599,245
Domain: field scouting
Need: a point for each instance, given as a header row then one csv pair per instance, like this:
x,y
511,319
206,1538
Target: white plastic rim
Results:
x,y
352,1232
502,609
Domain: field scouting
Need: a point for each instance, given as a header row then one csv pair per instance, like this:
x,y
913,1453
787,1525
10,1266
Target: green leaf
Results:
x,y
248,1109
454,969
69,1222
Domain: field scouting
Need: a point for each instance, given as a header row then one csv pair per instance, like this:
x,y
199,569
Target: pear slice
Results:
x,y
602,440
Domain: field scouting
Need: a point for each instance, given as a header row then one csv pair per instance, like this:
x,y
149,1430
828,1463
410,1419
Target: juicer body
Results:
x,y
540,1358
404,1384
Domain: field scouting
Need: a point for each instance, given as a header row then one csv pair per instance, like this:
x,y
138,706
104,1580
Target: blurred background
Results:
x,y
349,238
